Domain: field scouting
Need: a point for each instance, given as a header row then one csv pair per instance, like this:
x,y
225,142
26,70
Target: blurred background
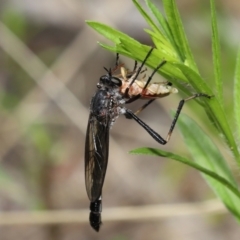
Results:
x,y
50,63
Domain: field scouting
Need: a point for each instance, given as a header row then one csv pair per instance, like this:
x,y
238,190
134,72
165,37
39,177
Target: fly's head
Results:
x,y
110,81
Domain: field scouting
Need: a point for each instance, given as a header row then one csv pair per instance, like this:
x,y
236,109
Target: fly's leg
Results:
x,y
179,109
147,82
138,71
129,114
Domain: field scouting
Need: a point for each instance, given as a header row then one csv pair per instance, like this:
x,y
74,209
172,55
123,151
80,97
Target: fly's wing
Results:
x,y
96,156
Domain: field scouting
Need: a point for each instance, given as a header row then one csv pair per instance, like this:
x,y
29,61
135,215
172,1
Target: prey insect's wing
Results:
x,y
96,156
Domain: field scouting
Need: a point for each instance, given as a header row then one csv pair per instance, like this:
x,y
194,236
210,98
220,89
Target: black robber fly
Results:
x,y
114,91
103,112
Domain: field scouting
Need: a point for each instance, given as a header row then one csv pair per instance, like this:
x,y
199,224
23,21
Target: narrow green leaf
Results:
x,y
111,33
160,38
149,20
160,153
139,53
157,42
162,21
110,48
205,153
194,79
213,108
208,160
163,45
216,53
178,33
202,149
237,95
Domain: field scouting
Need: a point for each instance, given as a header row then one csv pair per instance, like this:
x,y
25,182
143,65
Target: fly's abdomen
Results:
x,y
95,214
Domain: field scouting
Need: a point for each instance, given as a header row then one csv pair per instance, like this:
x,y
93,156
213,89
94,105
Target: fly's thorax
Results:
x,y
99,105
120,110
117,103
106,105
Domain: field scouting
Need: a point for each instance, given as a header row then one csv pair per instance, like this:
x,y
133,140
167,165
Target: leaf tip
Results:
x,y
88,22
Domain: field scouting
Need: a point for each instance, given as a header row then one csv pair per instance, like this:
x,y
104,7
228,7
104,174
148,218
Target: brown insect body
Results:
x,y
153,90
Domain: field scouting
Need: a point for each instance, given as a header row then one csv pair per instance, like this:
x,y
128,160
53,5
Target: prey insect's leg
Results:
x,y
141,108
131,73
129,114
135,66
155,70
147,82
144,106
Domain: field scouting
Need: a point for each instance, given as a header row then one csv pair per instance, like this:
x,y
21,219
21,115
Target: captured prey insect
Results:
x,y
114,91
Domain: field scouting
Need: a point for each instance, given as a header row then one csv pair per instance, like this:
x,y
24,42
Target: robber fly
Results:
x,y
114,91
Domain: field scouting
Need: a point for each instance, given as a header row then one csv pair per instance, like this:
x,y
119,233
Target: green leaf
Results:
x,y
169,70
163,45
216,54
139,52
207,159
202,149
237,95
205,153
148,19
212,174
194,79
163,42
111,33
162,21
213,108
178,33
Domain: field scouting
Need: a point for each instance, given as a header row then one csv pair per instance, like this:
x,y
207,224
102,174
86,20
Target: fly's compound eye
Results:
x,y
110,81
116,82
105,79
